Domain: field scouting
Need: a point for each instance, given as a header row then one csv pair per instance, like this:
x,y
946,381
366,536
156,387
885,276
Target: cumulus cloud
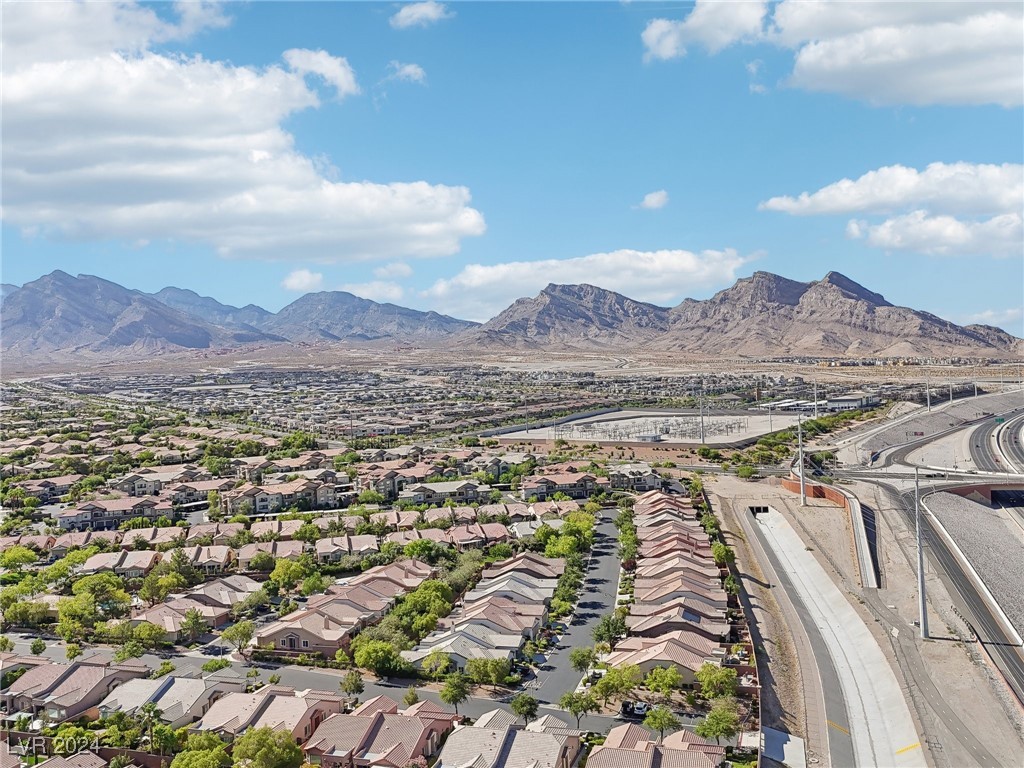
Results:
x,y
420,15
944,235
711,24
114,141
881,52
948,187
480,291
406,73
392,270
946,209
335,70
655,200
376,290
302,280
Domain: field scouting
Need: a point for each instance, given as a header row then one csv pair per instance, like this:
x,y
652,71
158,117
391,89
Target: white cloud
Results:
x,y
712,24
117,142
1001,318
479,291
420,15
946,209
882,52
302,280
947,187
944,235
655,200
394,269
406,73
335,70
376,290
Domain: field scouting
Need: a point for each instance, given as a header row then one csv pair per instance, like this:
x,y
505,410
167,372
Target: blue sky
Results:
x,y
455,157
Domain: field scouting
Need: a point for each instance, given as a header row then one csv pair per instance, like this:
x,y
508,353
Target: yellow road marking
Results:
x,y
840,728
907,749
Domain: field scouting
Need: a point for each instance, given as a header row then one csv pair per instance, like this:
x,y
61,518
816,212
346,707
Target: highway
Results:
x,y
983,447
1011,440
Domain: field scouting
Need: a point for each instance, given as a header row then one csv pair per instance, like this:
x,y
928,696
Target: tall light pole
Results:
x,y
922,602
769,417
815,398
700,408
928,392
951,391
800,449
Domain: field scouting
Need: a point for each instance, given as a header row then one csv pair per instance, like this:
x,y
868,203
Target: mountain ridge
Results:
x,y
761,315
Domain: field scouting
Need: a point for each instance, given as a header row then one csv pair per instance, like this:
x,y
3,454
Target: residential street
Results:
x,y
597,599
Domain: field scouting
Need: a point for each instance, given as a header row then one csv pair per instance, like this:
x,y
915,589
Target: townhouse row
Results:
x,y
507,607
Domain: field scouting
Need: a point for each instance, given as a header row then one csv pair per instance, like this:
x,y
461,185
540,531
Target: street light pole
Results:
x,y
928,392
800,448
815,398
922,602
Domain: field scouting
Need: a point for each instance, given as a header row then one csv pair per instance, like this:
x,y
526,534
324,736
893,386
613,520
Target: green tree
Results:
x,y
214,665
287,573
722,554
578,705
17,557
263,562
661,719
618,682
308,533
6,644
132,649
266,748
455,690
436,663
411,697
582,659
352,683
239,635
525,706
313,584
610,629
107,591
38,646
664,680
716,681
152,590
380,656
370,496
722,721
193,624
72,651
149,635
72,739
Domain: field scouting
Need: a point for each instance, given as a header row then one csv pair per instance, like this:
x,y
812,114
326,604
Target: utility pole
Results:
x,y
800,448
815,398
922,602
975,389
951,391
770,417
928,392
700,408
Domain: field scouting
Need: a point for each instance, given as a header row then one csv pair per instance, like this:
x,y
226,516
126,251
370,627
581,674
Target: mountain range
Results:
x,y
762,315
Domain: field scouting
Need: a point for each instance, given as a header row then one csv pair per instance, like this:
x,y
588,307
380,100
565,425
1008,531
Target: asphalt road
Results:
x,y
835,728
983,448
597,599
1011,439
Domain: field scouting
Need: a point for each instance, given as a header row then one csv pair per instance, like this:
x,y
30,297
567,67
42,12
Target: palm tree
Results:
x,y
149,715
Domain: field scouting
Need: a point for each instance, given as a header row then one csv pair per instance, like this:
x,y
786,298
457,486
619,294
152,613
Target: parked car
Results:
x,y
641,708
